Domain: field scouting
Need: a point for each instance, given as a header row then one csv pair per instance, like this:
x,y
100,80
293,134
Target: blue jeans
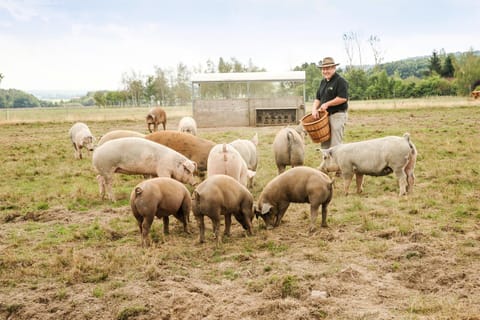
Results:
x,y
337,122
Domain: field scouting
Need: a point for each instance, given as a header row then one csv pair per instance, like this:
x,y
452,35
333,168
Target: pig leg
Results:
x,y
281,168
108,187
228,224
101,185
215,217
139,218
313,216
282,208
402,181
248,223
347,178
183,218
359,181
147,222
324,214
166,222
410,175
77,151
201,227
410,181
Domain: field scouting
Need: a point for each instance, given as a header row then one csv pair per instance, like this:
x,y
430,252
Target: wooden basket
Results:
x,y
318,129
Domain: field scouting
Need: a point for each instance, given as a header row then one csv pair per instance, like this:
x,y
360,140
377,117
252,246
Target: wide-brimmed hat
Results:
x,y
327,62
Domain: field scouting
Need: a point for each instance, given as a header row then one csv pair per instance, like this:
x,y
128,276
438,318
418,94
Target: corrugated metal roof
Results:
x,y
248,76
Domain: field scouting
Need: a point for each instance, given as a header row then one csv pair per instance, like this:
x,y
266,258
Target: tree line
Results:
x,y
440,74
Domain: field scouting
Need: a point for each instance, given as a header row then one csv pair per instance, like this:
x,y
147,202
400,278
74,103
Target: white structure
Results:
x,y
248,98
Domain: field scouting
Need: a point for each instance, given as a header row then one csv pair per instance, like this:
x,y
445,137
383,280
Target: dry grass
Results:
x,y
65,254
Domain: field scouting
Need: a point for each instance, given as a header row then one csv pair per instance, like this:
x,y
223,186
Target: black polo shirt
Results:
x,y
328,90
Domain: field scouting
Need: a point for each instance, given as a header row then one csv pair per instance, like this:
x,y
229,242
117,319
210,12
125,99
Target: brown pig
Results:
x,y
159,197
222,195
192,147
289,148
299,185
155,116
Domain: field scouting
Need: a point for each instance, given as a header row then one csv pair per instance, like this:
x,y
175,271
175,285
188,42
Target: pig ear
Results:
x,y
255,139
266,208
190,166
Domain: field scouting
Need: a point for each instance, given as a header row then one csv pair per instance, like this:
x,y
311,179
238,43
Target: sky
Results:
x,y
90,44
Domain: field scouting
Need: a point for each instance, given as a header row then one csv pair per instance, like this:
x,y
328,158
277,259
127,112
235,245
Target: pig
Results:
x,y
225,159
81,137
134,155
115,134
188,125
222,195
298,185
159,197
375,157
289,148
192,147
155,116
248,151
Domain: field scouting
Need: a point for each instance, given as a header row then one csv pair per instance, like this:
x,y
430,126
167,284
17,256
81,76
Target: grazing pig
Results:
x,y
289,148
248,151
299,185
115,134
188,125
155,116
376,157
225,159
192,147
222,195
81,137
159,197
139,156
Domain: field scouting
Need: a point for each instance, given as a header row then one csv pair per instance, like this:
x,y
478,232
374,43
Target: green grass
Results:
x,y
409,257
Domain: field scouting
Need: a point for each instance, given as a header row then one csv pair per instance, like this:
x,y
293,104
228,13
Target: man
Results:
x,y
332,96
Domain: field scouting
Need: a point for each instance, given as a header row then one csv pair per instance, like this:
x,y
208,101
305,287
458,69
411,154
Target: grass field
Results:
x,y
66,254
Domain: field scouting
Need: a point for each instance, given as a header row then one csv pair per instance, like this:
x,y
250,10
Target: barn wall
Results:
x,y
248,112
221,113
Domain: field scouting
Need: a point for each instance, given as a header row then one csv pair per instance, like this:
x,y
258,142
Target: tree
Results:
x,y
99,98
348,40
448,70
467,72
374,42
182,84
435,64
1,77
134,87
357,83
313,76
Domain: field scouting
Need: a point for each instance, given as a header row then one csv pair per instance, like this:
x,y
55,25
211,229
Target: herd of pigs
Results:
x,y
174,158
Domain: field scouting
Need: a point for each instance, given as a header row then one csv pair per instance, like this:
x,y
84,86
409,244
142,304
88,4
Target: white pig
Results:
x,y
248,151
139,156
81,137
225,159
188,125
375,157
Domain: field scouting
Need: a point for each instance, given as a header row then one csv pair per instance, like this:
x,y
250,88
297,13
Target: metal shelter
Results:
x,y
248,98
